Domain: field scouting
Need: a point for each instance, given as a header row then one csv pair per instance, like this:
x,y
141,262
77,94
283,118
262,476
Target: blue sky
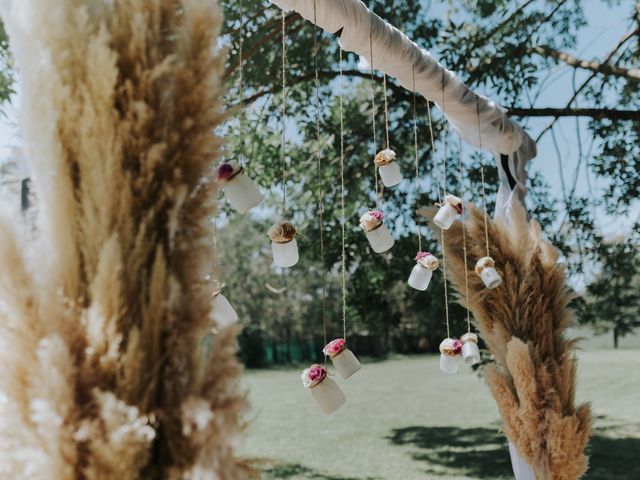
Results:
x,y
606,24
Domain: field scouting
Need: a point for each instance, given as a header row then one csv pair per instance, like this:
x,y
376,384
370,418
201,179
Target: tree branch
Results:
x,y
592,65
597,113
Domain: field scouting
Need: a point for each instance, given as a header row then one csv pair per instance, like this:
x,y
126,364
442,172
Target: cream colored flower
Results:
x,y
282,232
385,157
484,262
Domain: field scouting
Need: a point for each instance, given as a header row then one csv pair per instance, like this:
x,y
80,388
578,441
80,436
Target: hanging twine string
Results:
x,y
415,149
241,93
484,209
284,116
373,119
484,196
320,183
343,219
444,191
464,239
433,151
386,109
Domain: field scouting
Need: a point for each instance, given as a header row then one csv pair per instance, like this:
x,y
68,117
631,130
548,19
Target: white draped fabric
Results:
x,y
397,56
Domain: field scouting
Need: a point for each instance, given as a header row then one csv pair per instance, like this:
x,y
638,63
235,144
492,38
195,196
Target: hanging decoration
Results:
x,y
241,192
426,263
449,209
222,313
371,222
343,359
324,390
450,348
239,189
485,266
377,232
470,351
385,160
284,246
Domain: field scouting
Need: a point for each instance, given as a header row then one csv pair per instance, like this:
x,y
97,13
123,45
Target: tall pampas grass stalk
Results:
x,y
523,323
104,305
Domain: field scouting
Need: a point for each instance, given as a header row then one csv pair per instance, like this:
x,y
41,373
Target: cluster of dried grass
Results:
x,y
523,323
103,308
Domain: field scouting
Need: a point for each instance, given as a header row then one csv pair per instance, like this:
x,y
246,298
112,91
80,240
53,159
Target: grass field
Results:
x,y
405,420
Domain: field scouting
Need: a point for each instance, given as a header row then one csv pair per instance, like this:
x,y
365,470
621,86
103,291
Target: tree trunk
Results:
x,y
616,335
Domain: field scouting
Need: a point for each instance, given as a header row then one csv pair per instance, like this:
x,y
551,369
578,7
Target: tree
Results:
x,y
612,301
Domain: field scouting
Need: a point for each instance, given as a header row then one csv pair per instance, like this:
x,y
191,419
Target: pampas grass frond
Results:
x,y
103,308
523,323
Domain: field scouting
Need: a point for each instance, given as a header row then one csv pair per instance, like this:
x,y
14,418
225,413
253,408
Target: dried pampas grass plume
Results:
x,y
103,308
523,323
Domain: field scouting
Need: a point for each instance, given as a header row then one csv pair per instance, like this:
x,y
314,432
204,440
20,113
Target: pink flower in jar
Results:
x,y
225,171
457,347
313,375
334,347
377,214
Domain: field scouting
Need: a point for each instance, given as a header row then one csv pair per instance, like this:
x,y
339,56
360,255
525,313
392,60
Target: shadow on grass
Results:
x,y
483,453
297,471
613,458
475,452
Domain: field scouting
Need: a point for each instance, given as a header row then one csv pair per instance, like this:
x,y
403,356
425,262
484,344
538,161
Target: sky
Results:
x,y
605,25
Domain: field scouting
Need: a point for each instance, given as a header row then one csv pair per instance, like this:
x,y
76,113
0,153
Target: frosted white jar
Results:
x,y
328,395
420,277
222,312
242,192
445,216
490,277
390,174
346,363
380,239
285,255
449,364
470,350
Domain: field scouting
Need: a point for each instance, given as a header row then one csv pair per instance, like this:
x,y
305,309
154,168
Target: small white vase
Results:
x,y
285,254
242,193
390,174
346,363
222,312
490,277
521,469
380,239
448,363
328,395
445,216
420,277
470,353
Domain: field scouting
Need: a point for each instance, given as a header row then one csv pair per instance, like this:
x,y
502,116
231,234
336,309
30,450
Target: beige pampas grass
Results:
x,y
523,323
103,308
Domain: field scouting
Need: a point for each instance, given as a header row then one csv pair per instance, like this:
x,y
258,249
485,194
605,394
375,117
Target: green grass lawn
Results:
x,y
405,420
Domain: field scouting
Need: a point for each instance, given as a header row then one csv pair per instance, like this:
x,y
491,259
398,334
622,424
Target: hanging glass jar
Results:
x,y
325,391
388,167
283,244
239,189
470,351
377,232
426,264
485,269
450,349
450,207
343,359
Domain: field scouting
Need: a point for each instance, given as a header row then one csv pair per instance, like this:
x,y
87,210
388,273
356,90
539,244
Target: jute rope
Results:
x,y
464,239
343,219
484,196
284,117
415,150
373,119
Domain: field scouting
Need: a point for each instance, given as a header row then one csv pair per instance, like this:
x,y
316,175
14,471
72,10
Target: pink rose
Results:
x,y
377,214
313,375
334,347
457,347
225,170
422,256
